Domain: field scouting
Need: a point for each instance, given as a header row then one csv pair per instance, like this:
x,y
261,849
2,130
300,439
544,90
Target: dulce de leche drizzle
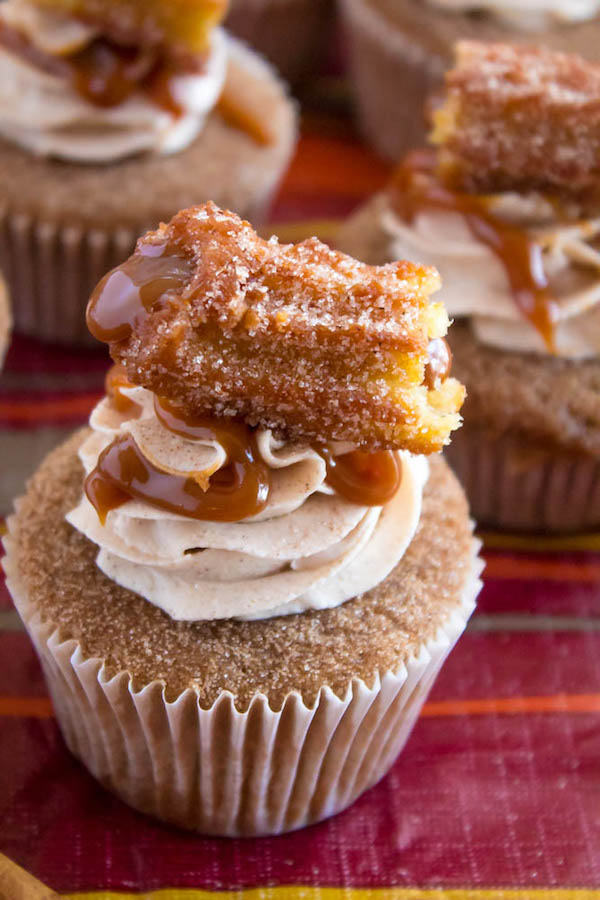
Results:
x,y
135,288
236,491
370,479
106,74
416,188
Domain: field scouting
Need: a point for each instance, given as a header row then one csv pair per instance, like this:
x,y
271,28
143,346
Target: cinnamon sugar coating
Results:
x,y
520,118
298,338
179,24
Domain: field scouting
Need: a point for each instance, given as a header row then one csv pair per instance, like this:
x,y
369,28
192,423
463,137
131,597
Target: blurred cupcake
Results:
x,y
112,117
292,34
399,49
241,614
508,207
5,319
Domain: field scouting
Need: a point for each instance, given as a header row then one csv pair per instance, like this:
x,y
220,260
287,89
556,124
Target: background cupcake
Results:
x,y
398,51
508,208
110,122
293,34
240,640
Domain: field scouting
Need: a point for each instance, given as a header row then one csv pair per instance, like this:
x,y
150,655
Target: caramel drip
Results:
x,y
115,383
132,290
416,187
236,491
106,74
369,479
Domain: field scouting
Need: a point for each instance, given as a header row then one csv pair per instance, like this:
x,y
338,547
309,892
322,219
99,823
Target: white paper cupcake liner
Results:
x,y
511,486
221,771
292,34
392,77
52,269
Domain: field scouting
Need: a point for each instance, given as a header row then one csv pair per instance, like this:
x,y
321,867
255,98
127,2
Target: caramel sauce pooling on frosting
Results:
x,y
239,489
415,188
236,491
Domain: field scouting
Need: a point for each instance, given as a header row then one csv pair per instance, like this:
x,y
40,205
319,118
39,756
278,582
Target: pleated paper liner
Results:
x,y
392,78
517,486
293,34
225,771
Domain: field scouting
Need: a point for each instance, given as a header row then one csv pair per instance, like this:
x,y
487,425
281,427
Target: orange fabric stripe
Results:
x,y
329,164
558,703
524,569
41,707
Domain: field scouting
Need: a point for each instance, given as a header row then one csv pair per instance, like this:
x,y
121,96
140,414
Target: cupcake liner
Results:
x,y
52,270
518,486
392,76
223,771
292,34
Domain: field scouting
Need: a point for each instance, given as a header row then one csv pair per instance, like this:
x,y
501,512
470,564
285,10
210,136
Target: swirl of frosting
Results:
x,y
531,15
476,283
309,548
42,112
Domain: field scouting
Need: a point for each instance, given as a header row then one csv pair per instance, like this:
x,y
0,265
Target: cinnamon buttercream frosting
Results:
x,y
534,15
476,284
309,548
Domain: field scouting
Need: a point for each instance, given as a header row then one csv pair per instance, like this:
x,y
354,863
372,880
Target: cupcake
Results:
x,y
508,205
244,576
112,117
292,34
5,320
399,49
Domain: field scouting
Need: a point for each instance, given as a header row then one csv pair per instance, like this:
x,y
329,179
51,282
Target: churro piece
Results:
x,y
298,338
520,118
179,24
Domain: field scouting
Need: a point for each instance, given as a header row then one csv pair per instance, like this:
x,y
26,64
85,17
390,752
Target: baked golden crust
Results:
x,y
186,24
520,118
298,338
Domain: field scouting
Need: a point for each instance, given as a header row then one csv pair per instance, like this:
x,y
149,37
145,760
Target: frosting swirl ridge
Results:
x,y
309,548
531,15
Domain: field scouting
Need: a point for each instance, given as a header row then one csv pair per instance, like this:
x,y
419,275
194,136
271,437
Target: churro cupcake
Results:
x,y
112,117
509,207
400,49
243,578
5,319
292,34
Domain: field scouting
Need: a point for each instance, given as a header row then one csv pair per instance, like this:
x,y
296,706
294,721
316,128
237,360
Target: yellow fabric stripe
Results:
x,y
536,543
316,893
